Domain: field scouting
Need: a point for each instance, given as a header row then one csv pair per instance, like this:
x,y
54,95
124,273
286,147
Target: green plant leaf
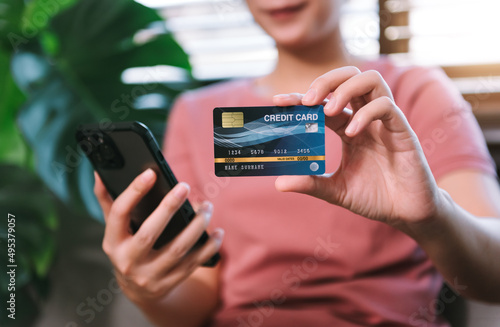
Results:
x,y
96,46
75,77
12,147
38,14
11,12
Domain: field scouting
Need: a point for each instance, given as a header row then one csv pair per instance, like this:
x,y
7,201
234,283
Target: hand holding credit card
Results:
x,y
269,141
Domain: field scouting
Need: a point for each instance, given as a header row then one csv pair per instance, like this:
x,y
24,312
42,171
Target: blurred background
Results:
x,y
66,62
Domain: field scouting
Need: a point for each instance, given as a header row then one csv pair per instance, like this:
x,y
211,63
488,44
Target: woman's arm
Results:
x,y
384,176
464,240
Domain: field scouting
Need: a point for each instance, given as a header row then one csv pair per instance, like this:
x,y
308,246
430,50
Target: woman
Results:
x,y
291,259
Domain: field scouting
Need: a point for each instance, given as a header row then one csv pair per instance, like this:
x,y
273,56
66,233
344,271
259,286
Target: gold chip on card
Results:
x,y
232,119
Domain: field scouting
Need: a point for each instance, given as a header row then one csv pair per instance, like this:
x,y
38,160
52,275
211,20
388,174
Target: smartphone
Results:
x,y
119,152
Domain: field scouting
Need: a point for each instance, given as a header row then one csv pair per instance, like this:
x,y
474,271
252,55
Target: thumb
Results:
x,y
322,187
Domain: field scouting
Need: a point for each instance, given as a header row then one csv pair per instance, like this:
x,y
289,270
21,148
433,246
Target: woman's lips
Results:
x,y
286,12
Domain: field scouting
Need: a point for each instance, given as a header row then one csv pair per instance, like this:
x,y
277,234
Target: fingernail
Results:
x,y
353,126
218,234
330,105
147,176
282,96
310,95
181,190
206,209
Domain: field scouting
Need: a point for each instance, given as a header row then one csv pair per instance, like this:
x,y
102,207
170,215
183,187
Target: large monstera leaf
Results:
x,y
72,75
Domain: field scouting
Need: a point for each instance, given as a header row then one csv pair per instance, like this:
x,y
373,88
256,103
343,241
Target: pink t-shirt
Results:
x,y
293,260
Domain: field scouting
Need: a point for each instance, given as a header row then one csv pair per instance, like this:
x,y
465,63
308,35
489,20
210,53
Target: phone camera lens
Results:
x,y
107,152
104,153
95,139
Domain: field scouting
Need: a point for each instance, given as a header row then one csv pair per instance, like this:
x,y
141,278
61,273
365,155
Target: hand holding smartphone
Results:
x,y
122,151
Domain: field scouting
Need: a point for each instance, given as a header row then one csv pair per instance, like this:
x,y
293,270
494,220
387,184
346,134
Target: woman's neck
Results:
x,y
296,69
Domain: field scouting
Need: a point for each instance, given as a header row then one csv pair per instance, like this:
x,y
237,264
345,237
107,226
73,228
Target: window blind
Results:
x,y
223,41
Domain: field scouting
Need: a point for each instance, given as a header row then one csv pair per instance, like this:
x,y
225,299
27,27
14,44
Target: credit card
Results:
x,y
269,141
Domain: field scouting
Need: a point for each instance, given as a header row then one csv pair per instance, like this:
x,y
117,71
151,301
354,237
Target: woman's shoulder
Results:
x,y
410,83
398,74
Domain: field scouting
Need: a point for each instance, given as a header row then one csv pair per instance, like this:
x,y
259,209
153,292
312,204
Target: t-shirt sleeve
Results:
x,y
443,121
178,146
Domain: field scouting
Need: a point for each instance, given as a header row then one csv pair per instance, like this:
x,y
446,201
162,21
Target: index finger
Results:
x,y
118,222
327,83
291,99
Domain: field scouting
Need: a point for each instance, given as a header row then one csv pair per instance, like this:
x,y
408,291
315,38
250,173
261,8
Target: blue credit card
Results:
x,y
269,141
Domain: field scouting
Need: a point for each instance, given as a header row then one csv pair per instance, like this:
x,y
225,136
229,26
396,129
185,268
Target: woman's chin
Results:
x,y
293,44
294,37
290,39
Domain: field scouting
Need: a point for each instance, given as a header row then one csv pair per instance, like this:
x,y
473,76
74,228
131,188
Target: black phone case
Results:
x,y
119,152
